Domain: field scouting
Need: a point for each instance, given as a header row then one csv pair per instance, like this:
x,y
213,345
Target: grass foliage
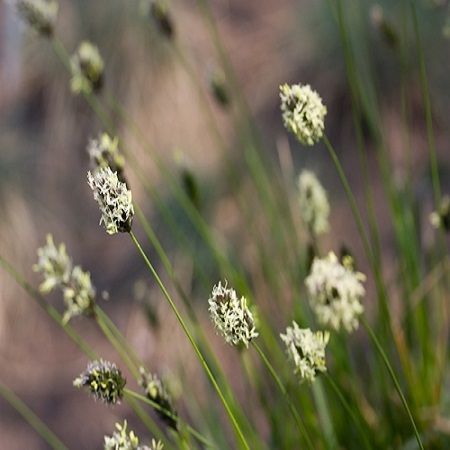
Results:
x,y
386,381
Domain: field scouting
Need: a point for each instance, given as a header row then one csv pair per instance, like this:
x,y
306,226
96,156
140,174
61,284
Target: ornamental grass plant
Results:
x,y
197,276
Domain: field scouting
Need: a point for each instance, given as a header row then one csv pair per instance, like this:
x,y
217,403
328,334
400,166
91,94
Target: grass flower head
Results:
x,y
441,217
40,15
157,392
121,440
335,293
161,16
231,316
104,152
306,350
87,69
114,200
54,264
56,267
303,112
104,380
313,201
79,295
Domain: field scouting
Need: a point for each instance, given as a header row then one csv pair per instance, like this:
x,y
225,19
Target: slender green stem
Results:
x,y
158,407
348,409
117,342
385,359
52,312
359,104
131,354
193,343
52,440
359,222
61,52
283,390
427,106
145,418
199,333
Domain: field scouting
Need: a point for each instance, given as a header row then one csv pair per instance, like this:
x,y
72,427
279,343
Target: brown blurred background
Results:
x,y
44,130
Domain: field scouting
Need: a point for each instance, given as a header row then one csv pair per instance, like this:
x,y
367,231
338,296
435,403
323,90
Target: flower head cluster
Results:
x,y
335,293
441,217
313,202
114,200
160,14
55,265
87,69
104,152
157,393
306,350
58,271
120,440
40,15
231,316
303,112
104,380
219,88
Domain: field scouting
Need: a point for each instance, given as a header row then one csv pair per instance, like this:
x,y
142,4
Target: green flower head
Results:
x,y
56,267
104,152
40,15
121,440
87,69
156,392
104,380
54,264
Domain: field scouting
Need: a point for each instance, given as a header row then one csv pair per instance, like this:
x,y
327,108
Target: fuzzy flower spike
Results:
x,y
306,350
87,69
40,15
313,202
231,316
303,112
104,152
335,293
104,380
156,391
121,440
114,200
58,272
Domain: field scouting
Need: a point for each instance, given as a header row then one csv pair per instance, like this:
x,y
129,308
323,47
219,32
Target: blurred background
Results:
x,y
44,131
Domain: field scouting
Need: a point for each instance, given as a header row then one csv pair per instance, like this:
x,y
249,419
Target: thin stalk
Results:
x,y
375,269
134,360
199,333
76,338
324,415
52,312
145,418
156,406
61,52
348,409
427,106
385,359
117,343
52,440
236,426
362,151
283,390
